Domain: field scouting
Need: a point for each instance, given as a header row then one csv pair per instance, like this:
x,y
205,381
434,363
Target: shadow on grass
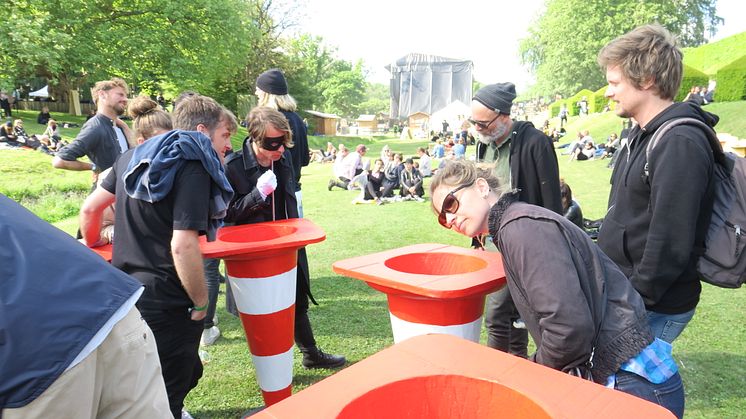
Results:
x,y
708,381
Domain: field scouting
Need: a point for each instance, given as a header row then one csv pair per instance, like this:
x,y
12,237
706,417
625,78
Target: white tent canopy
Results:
x,y
428,83
455,113
43,92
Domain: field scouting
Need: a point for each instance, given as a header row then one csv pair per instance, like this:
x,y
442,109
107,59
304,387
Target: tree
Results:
x,y
562,45
377,99
344,90
189,43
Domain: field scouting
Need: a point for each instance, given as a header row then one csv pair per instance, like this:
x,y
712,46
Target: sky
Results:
x,y
486,32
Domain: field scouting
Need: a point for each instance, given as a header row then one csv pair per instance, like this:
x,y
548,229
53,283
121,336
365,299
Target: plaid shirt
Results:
x,y
654,363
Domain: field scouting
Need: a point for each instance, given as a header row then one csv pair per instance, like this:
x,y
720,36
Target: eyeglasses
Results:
x,y
482,124
450,205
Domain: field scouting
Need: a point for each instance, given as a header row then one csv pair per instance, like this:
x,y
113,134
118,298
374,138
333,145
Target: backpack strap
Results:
x,y
717,149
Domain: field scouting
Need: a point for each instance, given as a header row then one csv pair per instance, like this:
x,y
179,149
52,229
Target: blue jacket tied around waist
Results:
x,y
151,173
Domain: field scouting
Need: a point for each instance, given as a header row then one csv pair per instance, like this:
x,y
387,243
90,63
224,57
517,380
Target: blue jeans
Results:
x,y
669,394
668,326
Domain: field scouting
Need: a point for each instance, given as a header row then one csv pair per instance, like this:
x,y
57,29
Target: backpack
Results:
x,y
722,261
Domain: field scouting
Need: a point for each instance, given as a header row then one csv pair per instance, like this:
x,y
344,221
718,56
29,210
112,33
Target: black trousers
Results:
x,y
177,338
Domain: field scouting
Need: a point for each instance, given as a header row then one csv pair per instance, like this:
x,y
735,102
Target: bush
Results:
x,y
555,107
692,77
598,101
732,81
572,102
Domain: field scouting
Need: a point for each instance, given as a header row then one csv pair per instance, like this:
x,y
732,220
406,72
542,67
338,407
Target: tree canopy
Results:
x,y
564,41
216,47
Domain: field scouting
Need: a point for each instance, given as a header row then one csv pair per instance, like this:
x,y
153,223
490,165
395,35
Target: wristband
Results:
x,y
201,308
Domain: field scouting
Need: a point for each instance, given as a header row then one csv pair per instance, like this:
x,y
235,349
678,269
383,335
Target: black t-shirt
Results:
x,y
143,231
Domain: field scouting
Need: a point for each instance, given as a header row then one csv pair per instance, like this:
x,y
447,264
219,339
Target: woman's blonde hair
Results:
x,y
277,102
148,117
462,172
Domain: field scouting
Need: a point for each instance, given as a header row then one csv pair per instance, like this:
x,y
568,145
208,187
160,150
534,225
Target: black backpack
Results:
x,y
722,261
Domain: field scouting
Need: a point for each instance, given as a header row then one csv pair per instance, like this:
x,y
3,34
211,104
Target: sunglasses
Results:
x,y
273,143
483,124
450,205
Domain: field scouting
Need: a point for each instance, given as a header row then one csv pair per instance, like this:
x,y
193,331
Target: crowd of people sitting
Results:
x,y
378,182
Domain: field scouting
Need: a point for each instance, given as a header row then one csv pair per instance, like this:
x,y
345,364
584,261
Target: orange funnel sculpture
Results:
x,y
444,377
431,288
261,262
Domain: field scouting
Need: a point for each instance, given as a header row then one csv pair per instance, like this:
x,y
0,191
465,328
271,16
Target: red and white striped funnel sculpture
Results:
x,y
431,288
261,262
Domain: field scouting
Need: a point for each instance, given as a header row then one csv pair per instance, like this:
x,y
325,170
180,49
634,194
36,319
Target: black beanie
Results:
x,y
273,82
498,97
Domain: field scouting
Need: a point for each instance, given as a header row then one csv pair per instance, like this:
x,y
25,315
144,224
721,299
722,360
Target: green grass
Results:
x,y
352,319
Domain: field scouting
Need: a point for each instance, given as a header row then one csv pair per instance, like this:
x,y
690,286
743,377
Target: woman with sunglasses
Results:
x,y
581,311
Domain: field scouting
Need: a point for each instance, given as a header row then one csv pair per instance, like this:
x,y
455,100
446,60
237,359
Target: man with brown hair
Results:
x,y
168,191
659,208
102,137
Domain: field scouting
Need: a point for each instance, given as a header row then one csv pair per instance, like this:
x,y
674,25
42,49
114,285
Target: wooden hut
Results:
x,y
324,123
419,121
367,124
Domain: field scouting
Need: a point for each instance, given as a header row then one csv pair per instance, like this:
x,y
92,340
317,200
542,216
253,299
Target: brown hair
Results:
x,y
195,110
646,54
260,117
148,117
106,85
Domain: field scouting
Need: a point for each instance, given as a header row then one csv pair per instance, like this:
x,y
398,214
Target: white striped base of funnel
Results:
x,y
404,330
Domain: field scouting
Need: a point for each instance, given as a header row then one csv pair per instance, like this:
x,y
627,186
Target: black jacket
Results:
x,y
299,151
247,205
656,224
565,288
533,166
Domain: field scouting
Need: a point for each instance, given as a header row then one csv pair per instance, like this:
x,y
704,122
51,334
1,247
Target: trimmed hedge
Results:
x,y
555,107
572,102
731,80
598,100
692,77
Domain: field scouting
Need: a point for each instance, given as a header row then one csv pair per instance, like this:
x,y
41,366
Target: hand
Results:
x,y
198,315
266,184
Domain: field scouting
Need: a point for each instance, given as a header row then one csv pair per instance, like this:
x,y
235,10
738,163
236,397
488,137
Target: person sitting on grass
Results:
x,y
570,207
44,116
411,183
426,167
588,152
582,312
8,136
53,134
392,170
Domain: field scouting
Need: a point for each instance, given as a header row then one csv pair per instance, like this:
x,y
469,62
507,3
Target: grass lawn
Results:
x,y
352,319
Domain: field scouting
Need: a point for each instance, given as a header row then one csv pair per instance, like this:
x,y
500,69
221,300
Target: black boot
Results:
x,y
316,358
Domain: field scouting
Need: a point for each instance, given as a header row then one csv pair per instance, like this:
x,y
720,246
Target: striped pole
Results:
x,y
264,290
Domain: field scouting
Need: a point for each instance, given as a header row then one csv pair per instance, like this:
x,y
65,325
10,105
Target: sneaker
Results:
x,y
209,336
419,199
316,358
185,415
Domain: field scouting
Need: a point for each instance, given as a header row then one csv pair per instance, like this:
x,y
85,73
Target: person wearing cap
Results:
x,y
263,180
523,158
272,91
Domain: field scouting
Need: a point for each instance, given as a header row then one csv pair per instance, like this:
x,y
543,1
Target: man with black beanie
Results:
x,y
524,158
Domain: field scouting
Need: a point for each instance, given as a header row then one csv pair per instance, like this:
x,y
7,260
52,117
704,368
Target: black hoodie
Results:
x,y
655,223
